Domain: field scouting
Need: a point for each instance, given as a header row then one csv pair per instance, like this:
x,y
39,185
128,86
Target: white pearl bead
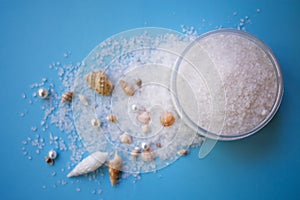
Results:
x,y
145,146
43,93
134,107
52,154
95,122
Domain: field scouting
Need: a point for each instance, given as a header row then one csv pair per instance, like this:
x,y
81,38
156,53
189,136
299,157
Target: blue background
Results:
x,y
33,34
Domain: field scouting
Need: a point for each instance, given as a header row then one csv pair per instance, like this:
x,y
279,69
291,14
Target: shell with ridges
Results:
x,y
89,164
67,96
99,82
114,167
127,88
167,119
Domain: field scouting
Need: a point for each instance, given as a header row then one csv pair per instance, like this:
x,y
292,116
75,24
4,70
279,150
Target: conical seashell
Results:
x,y
127,88
126,138
114,167
144,117
67,96
99,82
112,118
148,155
183,152
83,100
167,119
89,164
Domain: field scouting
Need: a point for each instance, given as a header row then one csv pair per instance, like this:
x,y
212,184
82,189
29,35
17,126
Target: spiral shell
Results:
x,y
99,82
167,119
126,138
67,96
114,167
183,152
127,88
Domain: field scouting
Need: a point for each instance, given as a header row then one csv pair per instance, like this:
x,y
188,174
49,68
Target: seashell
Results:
x,y
138,82
158,145
126,138
49,161
112,118
95,122
148,155
167,119
183,152
67,96
144,117
114,167
83,100
89,164
135,152
99,82
145,128
127,88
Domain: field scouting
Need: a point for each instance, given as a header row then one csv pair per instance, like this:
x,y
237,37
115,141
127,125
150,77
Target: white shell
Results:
x,y
89,164
126,138
148,155
144,117
145,128
83,100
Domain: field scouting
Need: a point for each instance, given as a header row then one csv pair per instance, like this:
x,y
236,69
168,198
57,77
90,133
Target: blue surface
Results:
x,y
33,34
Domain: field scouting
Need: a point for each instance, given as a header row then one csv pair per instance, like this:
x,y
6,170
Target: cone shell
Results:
x,y
148,155
89,164
167,119
99,82
114,167
67,96
127,88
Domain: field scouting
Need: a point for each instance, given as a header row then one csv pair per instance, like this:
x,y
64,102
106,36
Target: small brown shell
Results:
x,y
67,96
183,152
144,118
127,88
114,167
138,82
112,118
167,119
99,82
126,138
49,160
148,155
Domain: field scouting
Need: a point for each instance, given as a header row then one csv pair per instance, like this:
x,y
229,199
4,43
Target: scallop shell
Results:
x,y
144,118
99,82
114,167
127,88
67,96
83,100
126,138
112,118
89,164
167,119
148,155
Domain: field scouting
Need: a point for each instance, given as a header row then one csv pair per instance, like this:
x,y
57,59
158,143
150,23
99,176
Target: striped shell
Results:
x,y
114,167
67,96
99,82
127,88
